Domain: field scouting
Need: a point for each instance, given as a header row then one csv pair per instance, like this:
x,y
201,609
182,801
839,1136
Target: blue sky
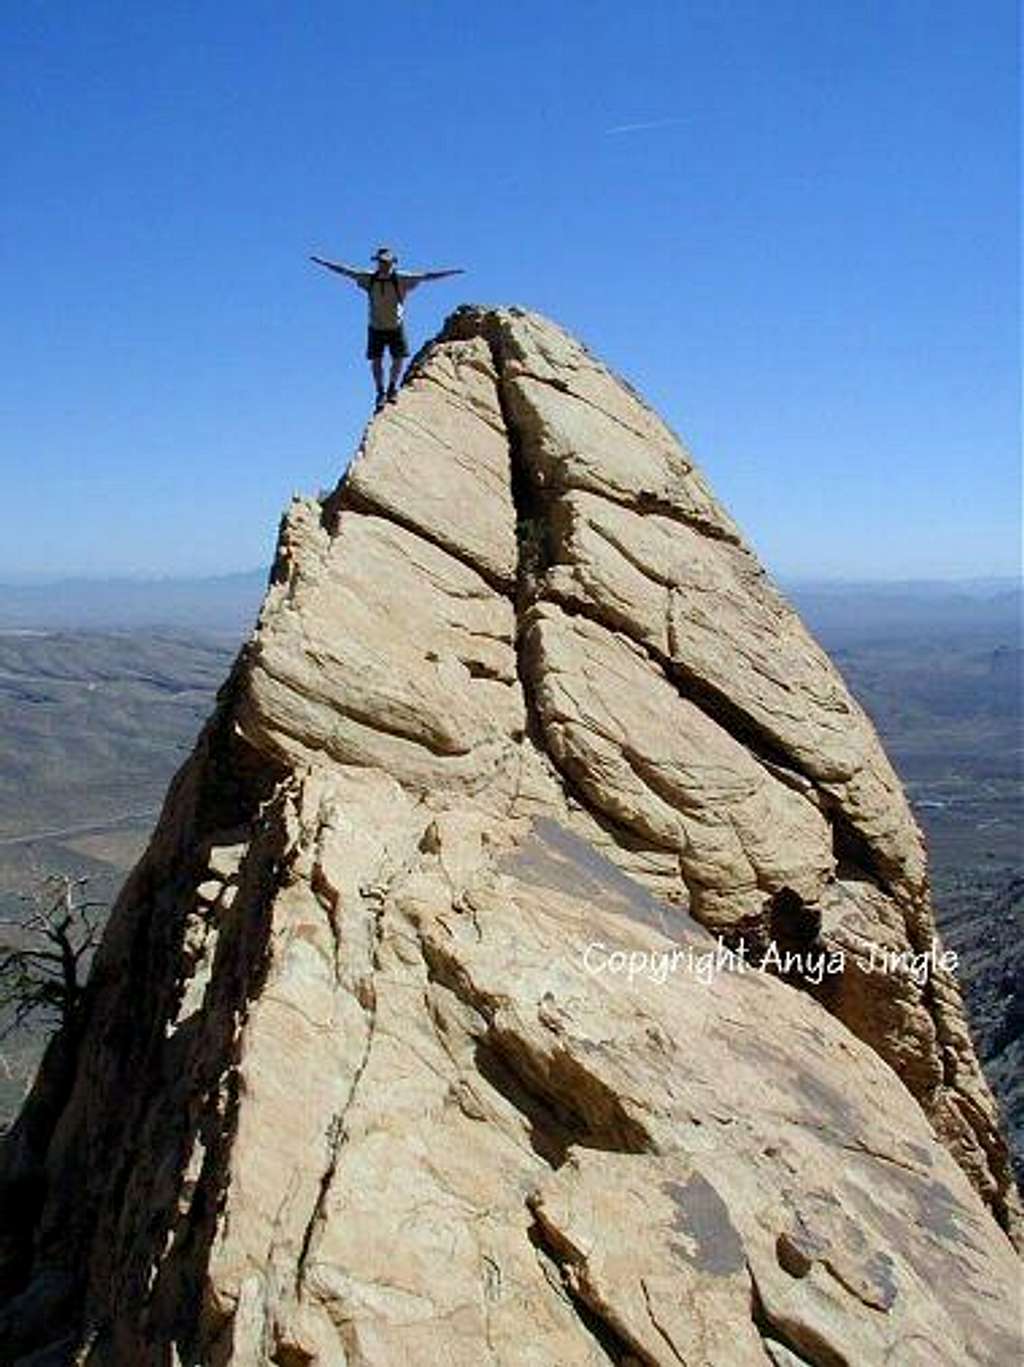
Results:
x,y
791,223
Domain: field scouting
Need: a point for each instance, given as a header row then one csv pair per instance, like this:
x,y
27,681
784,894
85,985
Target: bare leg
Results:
x,y
377,366
396,370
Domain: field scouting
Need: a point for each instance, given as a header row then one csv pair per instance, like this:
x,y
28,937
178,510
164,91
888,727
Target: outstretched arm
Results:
x,y
338,268
412,278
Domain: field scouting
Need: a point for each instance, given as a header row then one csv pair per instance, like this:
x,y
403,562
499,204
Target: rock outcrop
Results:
x,y
986,929
415,1036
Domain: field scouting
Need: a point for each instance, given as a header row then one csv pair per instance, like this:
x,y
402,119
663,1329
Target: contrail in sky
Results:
x,y
643,127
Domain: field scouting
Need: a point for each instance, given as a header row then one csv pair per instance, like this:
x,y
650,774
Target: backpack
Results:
x,y
391,280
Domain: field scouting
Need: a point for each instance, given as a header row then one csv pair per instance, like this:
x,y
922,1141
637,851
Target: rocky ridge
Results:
x,y
358,1082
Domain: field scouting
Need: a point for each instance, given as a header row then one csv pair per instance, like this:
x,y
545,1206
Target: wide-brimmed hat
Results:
x,y
384,254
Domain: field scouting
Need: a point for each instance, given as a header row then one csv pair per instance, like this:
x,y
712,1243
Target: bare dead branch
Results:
x,y
59,930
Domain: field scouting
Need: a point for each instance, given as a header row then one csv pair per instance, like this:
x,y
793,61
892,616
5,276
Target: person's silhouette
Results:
x,y
386,289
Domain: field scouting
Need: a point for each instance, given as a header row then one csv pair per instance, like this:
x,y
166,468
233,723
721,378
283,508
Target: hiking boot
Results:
x,y
392,393
380,401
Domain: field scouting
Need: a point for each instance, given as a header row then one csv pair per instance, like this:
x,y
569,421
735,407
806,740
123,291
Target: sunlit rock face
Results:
x,y
534,961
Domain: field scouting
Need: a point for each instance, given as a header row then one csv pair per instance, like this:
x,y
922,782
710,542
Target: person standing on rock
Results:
x,y
386,290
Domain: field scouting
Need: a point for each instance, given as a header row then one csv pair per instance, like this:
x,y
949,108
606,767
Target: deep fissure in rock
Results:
x,y
537,552
533,544
535,555
618,1348
546,1255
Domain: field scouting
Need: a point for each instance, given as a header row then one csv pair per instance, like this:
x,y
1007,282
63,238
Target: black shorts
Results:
x,y
377,339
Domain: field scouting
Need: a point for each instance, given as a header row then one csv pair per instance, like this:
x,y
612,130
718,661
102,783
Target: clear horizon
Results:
x,y
793,227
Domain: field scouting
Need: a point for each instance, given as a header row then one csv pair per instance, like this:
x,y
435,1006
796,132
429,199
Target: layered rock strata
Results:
x,y
404,1044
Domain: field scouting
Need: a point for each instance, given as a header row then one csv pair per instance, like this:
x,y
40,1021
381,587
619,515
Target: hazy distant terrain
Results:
x,y
940,675
93,725
225,603
98,708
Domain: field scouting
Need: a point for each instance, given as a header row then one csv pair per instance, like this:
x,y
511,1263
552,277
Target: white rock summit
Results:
x,y
379,1064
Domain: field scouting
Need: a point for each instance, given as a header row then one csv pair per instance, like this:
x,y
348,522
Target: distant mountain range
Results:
x,y
229,603
861,612
225,603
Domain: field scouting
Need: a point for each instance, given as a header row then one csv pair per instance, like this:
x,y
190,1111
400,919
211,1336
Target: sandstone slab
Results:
x,y
414,1036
